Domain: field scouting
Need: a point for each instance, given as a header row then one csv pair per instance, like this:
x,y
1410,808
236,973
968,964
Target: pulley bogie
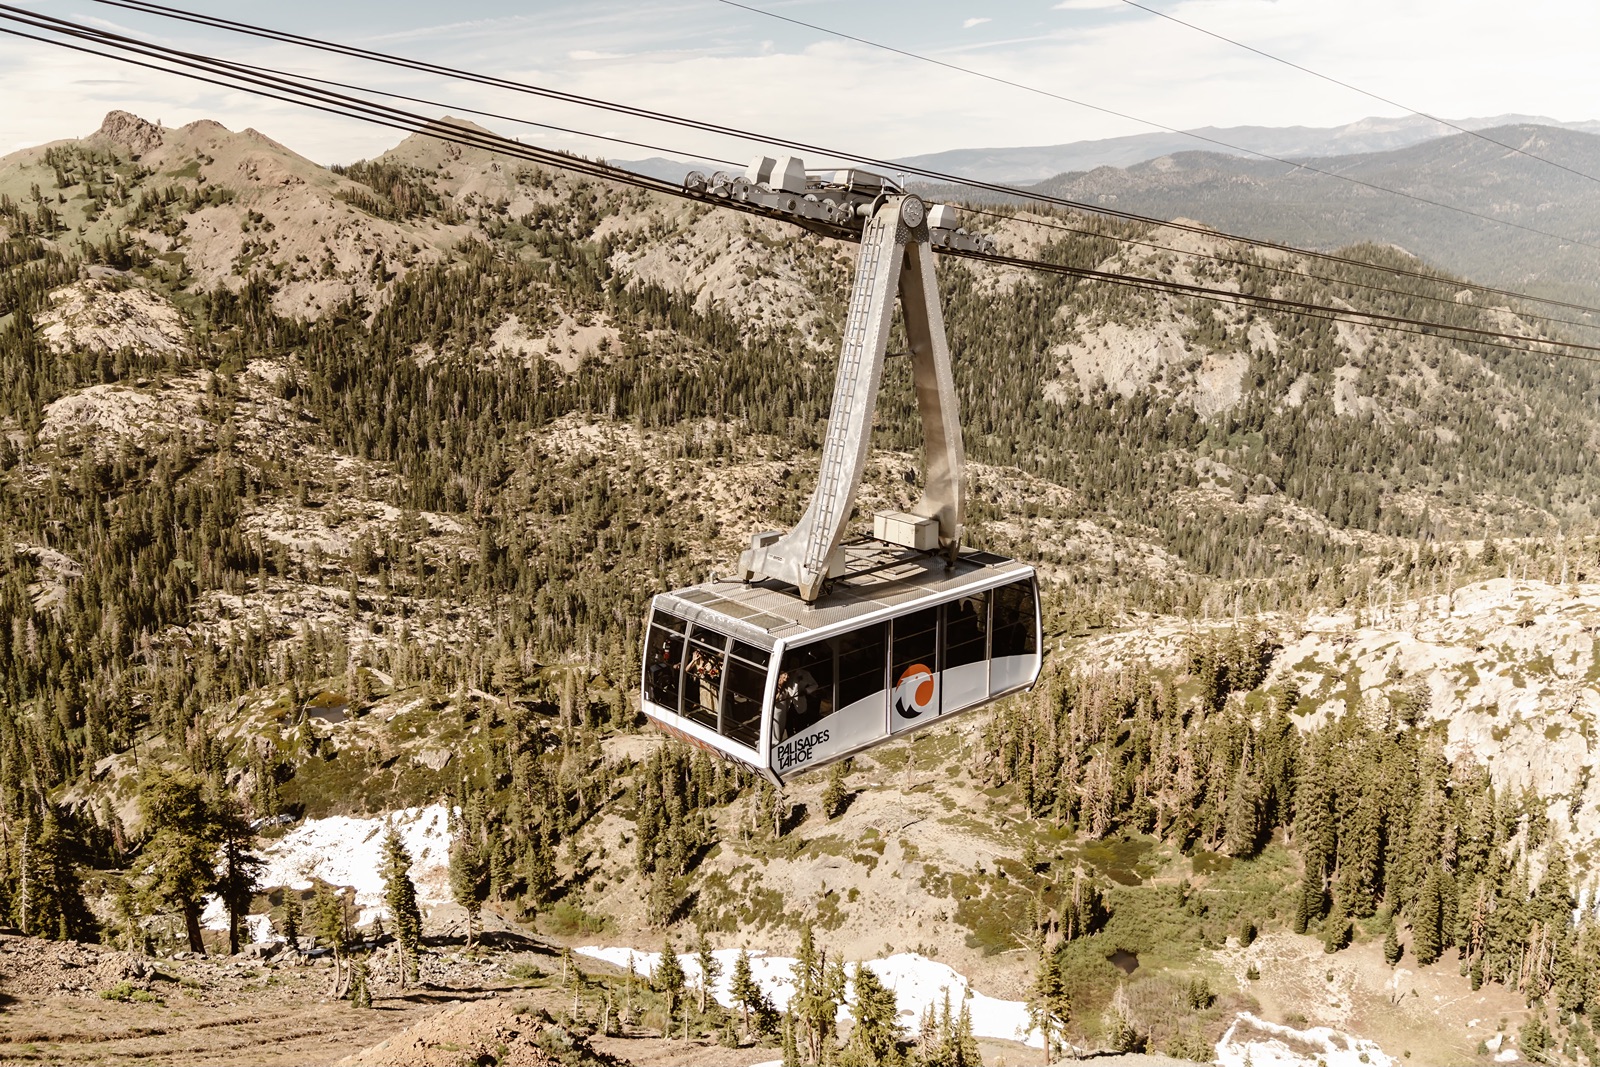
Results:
x,y
831,201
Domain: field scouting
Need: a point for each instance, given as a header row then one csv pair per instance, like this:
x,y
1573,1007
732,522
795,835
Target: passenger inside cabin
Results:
x,y
664,673
709,673
795,689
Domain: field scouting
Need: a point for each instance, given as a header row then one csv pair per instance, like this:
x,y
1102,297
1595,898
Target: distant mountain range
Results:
x,y
1298,206
1037,162
1163,176
1033,163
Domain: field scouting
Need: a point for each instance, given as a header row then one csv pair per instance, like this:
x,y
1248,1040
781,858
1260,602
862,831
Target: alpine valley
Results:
x,y
331,501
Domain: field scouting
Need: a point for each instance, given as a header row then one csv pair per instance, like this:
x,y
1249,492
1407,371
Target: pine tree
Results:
x,y
468,880
791,1047
291,920
1338,928
968,1054
55,907
181,850
745,991
360,992
332,927
710,967
1049,1005
240,868
1426,918
876,1036
833,796
1392,949
400,895
669,980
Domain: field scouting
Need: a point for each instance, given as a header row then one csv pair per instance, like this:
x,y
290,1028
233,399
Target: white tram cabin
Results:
x,y
902,641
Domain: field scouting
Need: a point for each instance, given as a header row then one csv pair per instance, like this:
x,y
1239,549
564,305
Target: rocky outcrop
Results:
x,y
130,131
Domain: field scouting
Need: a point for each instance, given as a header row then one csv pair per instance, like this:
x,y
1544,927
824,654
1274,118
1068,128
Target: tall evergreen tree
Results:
x,y
710,967
180,852
669,980
400,896
1049,1003
469,880
1427,916
876,1035
239,870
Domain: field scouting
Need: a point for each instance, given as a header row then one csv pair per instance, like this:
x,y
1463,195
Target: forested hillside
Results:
x,y
329,492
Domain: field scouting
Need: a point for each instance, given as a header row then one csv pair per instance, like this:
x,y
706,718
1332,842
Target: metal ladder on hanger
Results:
x,y
896,259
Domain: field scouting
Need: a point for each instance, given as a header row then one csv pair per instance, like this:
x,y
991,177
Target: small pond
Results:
x,y
1124,961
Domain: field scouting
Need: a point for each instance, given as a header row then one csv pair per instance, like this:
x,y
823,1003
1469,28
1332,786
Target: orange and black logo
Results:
x,y
916,692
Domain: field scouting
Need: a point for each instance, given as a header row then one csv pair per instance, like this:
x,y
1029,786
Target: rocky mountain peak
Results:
x,y
136,134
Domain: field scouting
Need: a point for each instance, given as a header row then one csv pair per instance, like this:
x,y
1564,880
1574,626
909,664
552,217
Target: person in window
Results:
x,y
664,675
709,672
795,697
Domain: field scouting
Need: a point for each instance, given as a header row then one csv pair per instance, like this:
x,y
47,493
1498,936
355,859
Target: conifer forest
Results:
x,y
338,493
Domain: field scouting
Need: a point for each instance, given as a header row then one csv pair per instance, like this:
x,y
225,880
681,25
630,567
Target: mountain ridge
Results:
x,y
1029,164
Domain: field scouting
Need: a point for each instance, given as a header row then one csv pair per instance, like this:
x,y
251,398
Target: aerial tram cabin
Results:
x,y
819,647
902,641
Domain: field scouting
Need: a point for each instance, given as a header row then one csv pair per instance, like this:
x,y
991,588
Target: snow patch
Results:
x,y
1258,1043
258,929
346,851
918,983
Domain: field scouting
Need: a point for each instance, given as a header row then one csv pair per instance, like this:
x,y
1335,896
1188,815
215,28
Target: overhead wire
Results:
x,y
265,84
1294,163
889,166
1377,319
463,109
972,210
260,82
1364,92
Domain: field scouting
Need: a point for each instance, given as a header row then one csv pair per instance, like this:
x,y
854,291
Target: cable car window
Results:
x,y
1015,639
668,622
703,675
965,678
663,662
741,713
861,657
1015,620
709,637
750,653
804,695
914,669
966,631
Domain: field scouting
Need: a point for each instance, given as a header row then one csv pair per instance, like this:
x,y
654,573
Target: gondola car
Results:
x,y
902,640
820,646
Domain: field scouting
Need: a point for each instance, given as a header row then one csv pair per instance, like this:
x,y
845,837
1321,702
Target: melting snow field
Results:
x,y
918,983
1253,1042
346,851
349,852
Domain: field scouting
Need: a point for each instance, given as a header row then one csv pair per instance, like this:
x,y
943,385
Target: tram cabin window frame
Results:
x,y
697,673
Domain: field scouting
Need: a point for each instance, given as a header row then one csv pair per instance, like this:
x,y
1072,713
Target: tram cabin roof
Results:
x,y
879,581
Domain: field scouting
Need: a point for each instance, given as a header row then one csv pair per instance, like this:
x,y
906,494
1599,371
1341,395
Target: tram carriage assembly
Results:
x,y
820,648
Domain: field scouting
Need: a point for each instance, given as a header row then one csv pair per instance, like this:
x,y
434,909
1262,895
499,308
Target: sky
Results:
x,y
717,62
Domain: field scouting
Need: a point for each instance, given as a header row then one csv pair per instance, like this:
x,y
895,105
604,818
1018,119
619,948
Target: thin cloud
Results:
x,y
1086,5
967,25
581,54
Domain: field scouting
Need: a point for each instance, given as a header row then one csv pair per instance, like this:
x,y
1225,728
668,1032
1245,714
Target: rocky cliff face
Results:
x,y
1511,666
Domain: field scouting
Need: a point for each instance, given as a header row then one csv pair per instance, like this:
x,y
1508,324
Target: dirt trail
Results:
x,y
198,1011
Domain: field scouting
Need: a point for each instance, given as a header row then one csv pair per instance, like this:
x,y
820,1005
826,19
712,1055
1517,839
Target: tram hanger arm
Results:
x,y
895,260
